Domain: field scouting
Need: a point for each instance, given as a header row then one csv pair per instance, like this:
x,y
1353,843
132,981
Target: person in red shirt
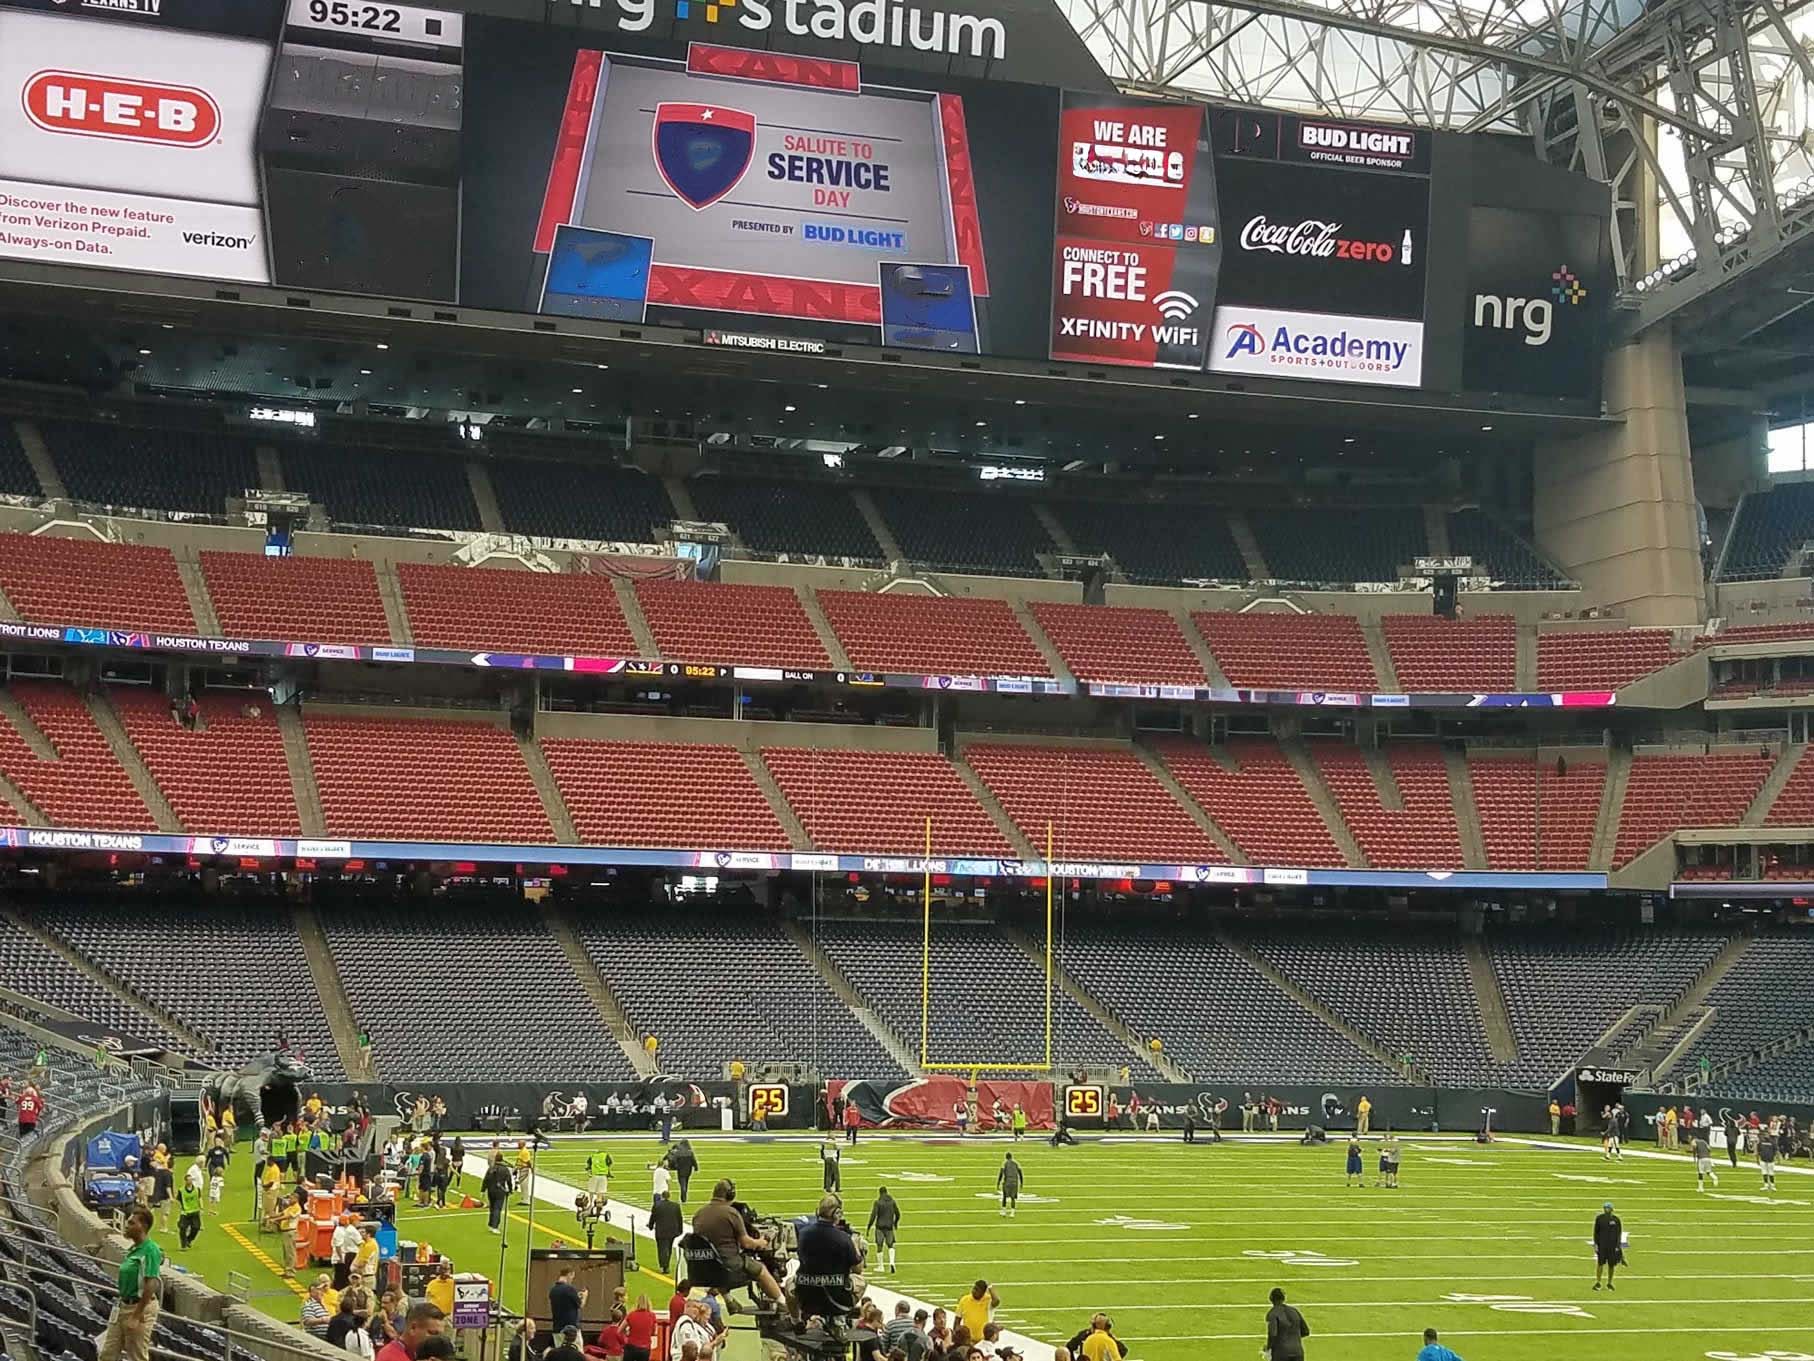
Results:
x,y
852,1118
423,1321
611,1338
31,1106
677,1305
639,1331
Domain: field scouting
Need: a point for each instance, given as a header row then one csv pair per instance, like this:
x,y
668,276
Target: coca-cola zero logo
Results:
x,y
1315,239
122,109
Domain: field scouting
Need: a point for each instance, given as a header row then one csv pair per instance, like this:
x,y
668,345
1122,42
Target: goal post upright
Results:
x,y
972,1067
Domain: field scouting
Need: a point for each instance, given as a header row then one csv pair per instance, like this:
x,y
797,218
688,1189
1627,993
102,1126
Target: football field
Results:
x,y
1181,1244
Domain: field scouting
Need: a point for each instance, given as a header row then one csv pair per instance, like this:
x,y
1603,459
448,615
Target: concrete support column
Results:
x,y
1616,509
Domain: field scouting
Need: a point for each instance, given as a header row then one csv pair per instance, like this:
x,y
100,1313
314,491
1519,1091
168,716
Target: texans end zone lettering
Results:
x,y
768,1101
1083,1102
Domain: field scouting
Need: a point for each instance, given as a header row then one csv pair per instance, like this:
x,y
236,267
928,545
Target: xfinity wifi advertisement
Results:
x,y
849,172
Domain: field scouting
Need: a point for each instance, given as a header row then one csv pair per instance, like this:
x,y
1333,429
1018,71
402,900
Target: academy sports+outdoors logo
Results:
x,y
1317,345
124,110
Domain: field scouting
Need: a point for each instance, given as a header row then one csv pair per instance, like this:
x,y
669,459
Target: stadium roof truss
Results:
x,y
1696,112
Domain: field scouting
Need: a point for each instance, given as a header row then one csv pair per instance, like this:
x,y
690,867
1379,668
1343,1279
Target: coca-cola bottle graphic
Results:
x,y
1404,249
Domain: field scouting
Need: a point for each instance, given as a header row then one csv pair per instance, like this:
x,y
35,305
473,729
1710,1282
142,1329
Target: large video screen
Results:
x,y
665,174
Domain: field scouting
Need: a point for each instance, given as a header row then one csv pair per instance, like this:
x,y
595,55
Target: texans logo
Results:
x,y
702,150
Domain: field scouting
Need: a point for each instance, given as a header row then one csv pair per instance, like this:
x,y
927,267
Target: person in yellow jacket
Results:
x,y
440,1289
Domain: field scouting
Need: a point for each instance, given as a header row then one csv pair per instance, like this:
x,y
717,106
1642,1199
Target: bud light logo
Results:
x,y
121,109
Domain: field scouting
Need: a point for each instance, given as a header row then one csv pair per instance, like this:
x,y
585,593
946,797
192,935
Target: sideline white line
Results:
x,y
635,1218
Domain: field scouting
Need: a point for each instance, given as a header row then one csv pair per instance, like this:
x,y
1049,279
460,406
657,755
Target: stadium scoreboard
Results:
x,y
815,190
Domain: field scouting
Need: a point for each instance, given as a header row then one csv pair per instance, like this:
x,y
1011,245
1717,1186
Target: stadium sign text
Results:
x,y
867,23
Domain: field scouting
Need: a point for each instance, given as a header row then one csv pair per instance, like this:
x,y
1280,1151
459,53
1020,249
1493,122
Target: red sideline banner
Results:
x,y
938,1103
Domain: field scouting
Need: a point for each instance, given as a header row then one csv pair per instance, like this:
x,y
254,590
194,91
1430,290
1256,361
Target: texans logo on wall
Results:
x,y
703,150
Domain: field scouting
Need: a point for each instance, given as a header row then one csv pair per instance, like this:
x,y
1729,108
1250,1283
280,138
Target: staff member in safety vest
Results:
x,y
598,1175
189,1202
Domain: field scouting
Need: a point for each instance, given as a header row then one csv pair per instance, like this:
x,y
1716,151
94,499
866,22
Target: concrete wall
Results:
x,y
1616,509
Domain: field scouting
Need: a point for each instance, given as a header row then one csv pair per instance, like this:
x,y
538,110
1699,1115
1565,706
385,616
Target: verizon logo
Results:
x,y
125,110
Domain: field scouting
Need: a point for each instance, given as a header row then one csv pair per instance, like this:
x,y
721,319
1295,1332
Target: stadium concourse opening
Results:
x,y
908,697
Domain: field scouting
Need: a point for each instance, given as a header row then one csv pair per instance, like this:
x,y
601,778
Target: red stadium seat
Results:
x,y
932,635
1603,659
738,625
1667,792
85,581
1098,802
1421,835
423,779
228,774
880,800
1289,651
1433,654
672,794
1532,818
84,786
319,600
1256,797
510,611
1114,645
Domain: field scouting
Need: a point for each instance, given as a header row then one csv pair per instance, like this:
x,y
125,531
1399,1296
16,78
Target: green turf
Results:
x,y
1182,1244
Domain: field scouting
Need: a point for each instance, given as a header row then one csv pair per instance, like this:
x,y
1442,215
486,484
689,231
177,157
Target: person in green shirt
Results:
x,y
129,1327
189,1207
1019,1120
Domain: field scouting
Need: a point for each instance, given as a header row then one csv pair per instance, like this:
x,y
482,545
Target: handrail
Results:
x,y
31,1309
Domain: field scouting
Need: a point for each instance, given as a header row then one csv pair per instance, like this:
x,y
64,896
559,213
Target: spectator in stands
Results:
x,y
639,1330
343,1322
523,1346
566,1345
1285,1330
1432,1349
134,1316
884,1221
497,1186
694,1329
666,1223
565,1300
315,1313
440,1288
1096,1341
721,1224
899,1331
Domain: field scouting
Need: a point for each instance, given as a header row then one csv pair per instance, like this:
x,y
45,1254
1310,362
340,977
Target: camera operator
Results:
x,y
722,1225
828,1251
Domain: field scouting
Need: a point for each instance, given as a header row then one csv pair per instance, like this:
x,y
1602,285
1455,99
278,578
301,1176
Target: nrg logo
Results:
x,y
1537,316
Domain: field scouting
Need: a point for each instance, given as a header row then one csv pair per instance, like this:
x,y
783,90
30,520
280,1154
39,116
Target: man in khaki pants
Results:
x,y
134,1315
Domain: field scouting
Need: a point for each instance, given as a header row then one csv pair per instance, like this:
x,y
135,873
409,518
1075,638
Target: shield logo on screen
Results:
x,y
703,150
